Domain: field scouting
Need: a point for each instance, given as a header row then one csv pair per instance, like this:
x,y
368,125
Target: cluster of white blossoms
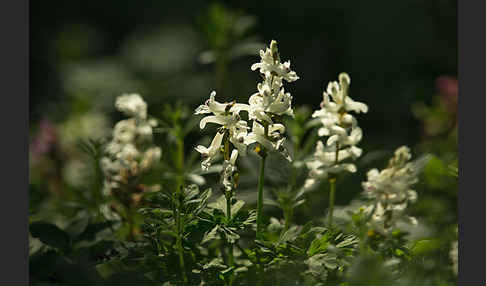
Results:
x,y
228,116
454,255
390,190
130,152
342,131
265,109
271,102
228,179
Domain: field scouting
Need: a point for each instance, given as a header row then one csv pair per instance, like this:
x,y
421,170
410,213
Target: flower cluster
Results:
x,y
228,116
229,179
271,102
454,255
390,190
265,109
342,131
130,152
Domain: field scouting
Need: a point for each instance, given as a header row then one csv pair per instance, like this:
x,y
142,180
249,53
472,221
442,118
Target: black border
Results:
x,y
472,45
14,28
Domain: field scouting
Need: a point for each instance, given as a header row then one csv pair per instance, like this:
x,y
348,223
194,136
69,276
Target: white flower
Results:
x,y
334,116
324,162
238,132
227,115
229,168
217,108
340,96
271,98
273,141
390,189
211,152
270,64
125,131
132,105
342,131
110,167
133,131
129,152
454,255
150,158
262,105
270,102
144,131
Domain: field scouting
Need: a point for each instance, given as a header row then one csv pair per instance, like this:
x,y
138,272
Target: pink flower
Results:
x,y
449,90
45,140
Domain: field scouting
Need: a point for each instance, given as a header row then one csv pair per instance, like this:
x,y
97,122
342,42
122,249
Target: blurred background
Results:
x,y
401,56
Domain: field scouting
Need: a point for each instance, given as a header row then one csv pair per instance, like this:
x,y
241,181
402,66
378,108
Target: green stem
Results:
x,y
288,214
231,259
228,195
179,240
180,163
260,198
332,183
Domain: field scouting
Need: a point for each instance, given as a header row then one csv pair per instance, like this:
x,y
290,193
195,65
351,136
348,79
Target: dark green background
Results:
x,y
393,50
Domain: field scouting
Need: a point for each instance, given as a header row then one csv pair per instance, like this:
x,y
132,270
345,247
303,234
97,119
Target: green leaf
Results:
x,y
204,201
328,260
270,202
425,246
319,244
236,207
251,219
109,268
219,204
230,234
350,240
215,263
49,234
211,235
298,203
316,266
77,227
290,234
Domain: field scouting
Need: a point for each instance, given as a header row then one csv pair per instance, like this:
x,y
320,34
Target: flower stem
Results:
x,y
231,259
260,269
260,198
179,239
228,195
332,183
288,214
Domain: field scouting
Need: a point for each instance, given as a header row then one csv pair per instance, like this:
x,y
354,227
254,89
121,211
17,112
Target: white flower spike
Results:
x,y
270,102
228,116
390,190
129,153
132,105
270,64
228,179
341,129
